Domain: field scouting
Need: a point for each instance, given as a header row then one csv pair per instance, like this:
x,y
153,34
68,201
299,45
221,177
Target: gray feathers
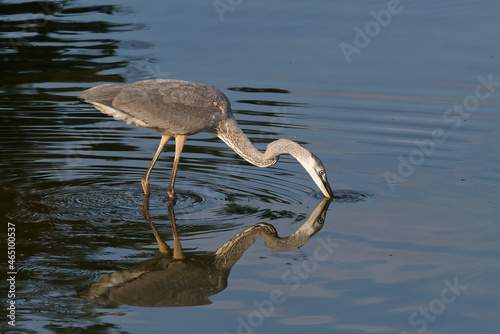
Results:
x,y
170,106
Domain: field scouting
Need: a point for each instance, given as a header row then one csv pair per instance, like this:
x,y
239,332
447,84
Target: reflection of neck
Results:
x,y
312,225
227,255
296,240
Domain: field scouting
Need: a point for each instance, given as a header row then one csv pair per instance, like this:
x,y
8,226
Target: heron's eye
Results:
x,y
320,220
321,173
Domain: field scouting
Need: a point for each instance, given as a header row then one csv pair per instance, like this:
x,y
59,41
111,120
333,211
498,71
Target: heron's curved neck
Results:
x,y
310,227
229,132
229,253
296,240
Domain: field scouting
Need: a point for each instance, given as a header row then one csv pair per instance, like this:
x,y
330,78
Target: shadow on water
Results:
x,y
176,278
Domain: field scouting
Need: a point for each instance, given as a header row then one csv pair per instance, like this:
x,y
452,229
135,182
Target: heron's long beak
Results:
x,y
326,189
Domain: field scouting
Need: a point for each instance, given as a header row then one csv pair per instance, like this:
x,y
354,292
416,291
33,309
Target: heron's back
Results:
x,y
169,106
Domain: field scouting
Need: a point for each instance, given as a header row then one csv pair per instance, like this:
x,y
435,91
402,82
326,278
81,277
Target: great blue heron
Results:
x,y
179,108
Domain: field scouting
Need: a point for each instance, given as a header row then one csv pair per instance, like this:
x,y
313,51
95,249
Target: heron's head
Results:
x,y
315,168
309,161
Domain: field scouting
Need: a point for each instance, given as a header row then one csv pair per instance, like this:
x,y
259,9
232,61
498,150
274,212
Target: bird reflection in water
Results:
x,y
179,279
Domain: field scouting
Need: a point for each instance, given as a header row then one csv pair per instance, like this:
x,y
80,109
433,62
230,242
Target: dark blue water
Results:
x,y
400,100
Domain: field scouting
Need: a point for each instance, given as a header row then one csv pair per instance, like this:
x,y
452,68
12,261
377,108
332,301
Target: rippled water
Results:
x,y
407,130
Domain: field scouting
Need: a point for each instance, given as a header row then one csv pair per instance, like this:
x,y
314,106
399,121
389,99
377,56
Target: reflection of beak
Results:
x,y
311,226
325,203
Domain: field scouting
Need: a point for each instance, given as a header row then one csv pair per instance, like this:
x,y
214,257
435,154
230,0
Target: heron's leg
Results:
x,y
179,144
145,179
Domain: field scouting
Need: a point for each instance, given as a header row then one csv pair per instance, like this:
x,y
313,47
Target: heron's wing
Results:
x,y
101,97
175,106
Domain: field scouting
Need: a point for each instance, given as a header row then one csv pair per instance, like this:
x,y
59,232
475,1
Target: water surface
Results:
x,y
410,143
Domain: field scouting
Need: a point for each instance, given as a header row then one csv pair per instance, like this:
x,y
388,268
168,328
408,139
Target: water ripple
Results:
x,y
351,196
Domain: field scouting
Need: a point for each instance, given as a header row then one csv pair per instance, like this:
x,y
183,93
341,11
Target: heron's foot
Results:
x,y
171,202
145,185
172,194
